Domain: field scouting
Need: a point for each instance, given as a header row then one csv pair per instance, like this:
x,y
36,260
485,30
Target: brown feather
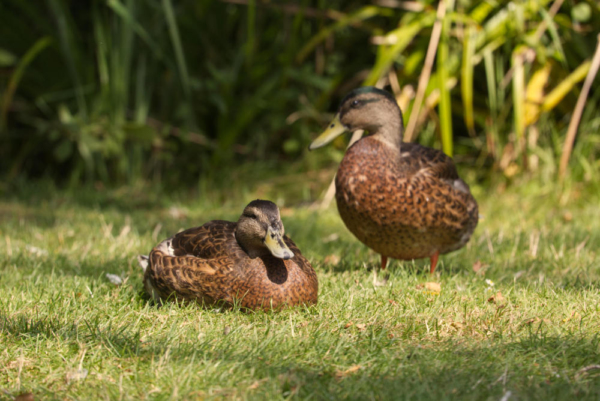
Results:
x,y
210,267
405,206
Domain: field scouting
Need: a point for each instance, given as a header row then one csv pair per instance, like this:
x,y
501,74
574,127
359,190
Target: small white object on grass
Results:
x,y
78,374
36,251
113,278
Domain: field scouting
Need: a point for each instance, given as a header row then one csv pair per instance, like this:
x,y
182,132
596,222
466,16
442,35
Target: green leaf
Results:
x,y
141,133
466,82
15,78
445,105
64,150
581,12
360,15
399,38
518,86
7,59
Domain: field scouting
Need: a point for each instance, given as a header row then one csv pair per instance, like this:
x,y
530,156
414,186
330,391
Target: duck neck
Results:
x,y
253,248
390,132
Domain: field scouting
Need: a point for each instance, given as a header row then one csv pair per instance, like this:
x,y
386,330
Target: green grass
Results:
x,y
59,313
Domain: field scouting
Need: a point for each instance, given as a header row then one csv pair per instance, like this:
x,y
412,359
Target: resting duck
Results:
x,y
249,263
403,200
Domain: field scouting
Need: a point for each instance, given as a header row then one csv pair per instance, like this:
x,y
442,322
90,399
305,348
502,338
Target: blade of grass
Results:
x,y
490,75
574,123
65,31
360,15
16,76
124,13
101,48
142,93
548,19
176,40
400,38
425,73
445,102
534,94
251,21
121,70
518,87
466,82
565,86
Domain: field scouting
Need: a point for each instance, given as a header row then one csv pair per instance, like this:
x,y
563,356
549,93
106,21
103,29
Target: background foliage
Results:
x,y
116,91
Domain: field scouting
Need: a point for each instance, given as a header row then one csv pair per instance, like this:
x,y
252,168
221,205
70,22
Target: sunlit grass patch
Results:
x,y
517,310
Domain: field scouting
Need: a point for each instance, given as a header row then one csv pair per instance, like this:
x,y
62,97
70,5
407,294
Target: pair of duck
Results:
x,y
402,200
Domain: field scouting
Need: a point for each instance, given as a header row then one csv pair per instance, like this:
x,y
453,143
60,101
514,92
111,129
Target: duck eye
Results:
x,y
251,215
355,103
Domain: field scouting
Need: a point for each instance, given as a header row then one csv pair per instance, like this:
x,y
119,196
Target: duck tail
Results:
x,y
143,261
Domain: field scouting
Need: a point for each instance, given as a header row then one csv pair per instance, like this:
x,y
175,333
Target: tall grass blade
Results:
x,y
445,102
121,69
70,50
179,56
16,76
409,134
251,36
518,90
490,76
101,48
566,85
534,94
555,37
143,34
400,39
466,82
360,15
574,123
142,94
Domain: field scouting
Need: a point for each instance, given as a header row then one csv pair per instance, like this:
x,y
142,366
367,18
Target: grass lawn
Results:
x,y
525,325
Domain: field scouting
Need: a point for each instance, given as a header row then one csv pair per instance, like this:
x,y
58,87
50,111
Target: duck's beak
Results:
x,y
274,241
334,130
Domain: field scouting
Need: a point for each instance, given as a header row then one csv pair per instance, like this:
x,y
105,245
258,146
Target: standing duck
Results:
x,y
403,200
250,263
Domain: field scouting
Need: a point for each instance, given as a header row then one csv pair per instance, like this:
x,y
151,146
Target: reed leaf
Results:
x,y
399,39
445,105
16,76
534,94
176,41
360,15
566,85
466,83
518,90
122,11
70,51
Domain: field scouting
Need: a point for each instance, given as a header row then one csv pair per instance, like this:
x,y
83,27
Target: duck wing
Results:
x,y
210,240
193,262
417,159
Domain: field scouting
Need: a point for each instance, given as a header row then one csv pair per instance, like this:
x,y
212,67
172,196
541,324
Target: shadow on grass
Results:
x,y
536,366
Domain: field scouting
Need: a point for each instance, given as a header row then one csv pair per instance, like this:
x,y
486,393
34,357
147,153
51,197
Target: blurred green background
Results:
x,y
114,92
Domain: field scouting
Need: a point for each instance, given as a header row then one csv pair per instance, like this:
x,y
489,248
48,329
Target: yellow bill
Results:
x,y
334,130
274,241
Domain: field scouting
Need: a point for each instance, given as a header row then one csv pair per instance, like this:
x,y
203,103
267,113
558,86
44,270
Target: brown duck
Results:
x,y
250,263
403,200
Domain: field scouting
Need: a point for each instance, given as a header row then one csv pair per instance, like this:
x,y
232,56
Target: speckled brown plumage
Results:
x,y
207,264
403,200
406,207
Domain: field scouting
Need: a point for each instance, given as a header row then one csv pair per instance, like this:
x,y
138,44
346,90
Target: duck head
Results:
x,y
260,231
366,108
